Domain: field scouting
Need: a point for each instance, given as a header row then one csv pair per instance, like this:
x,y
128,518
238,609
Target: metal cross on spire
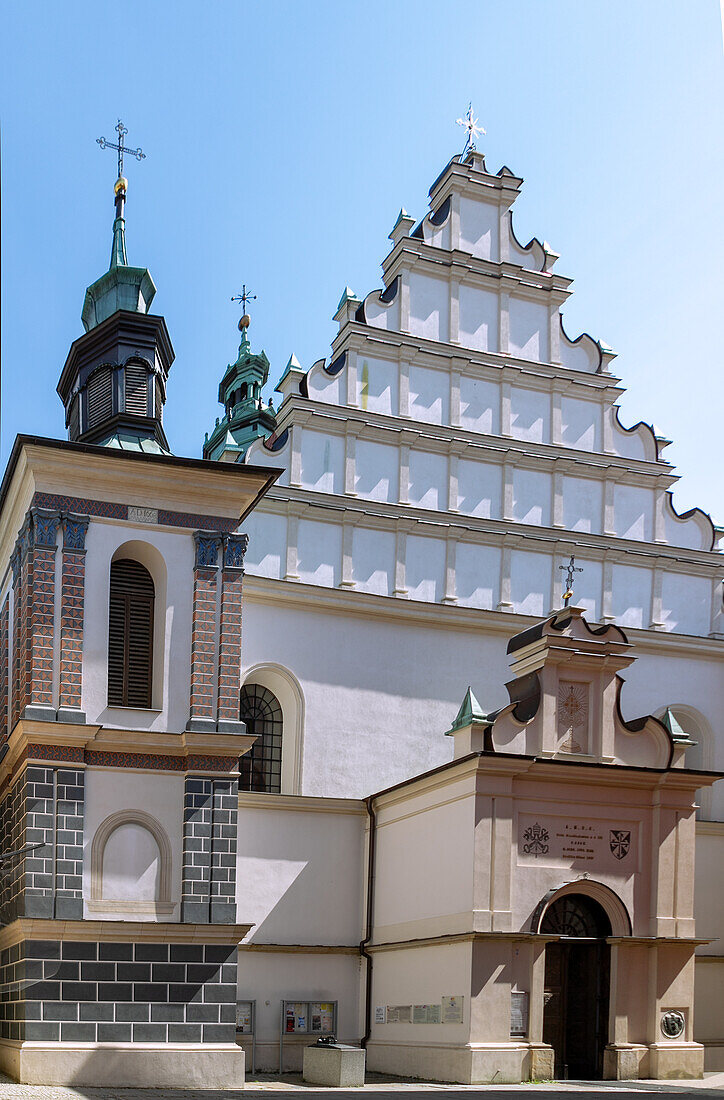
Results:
x,y
243,297
120,146
470,124
570,569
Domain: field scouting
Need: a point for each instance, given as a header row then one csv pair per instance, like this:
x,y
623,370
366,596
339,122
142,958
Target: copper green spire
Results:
x,y
122,287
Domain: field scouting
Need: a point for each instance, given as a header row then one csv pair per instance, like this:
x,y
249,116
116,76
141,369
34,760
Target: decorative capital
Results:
x,y
25,537
208,544
235,547
45,524
74,531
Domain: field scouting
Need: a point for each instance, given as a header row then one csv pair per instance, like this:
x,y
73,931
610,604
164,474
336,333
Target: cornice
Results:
x,y
414,254
438,523
123,931
431,352
337,601
298,410
298,803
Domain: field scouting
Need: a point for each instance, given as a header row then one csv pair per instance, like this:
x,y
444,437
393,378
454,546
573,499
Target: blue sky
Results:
x,y
282,139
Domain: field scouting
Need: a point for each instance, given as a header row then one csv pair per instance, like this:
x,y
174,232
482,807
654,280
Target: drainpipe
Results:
x,y
368,930
54,844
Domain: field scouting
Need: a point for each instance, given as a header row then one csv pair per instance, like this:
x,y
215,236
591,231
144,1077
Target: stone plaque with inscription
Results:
x,y
137,514
575,842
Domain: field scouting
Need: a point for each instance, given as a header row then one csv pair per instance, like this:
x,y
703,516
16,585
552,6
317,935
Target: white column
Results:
x,y
400,588
505,408
609,519
503,322
404,293
554,331
504,233
657,608
557,503
347,580
295,461
507,491
404,388
660,515
351,374
452,488
450,587
454,221
556,418
454,399
350,467
291,572
607,615
404,494
505,604
454,311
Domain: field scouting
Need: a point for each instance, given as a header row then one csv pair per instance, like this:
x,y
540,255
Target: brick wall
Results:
x,y
208,888
72,612
229,674
203,631
82,991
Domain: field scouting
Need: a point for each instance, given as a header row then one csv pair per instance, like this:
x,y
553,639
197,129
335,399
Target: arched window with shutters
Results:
x,y
261,767
130,635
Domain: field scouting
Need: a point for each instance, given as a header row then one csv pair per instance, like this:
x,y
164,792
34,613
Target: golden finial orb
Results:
x,y
244,322
121,184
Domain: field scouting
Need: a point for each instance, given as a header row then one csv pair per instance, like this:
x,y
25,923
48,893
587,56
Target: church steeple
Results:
x,y
245,416
113,384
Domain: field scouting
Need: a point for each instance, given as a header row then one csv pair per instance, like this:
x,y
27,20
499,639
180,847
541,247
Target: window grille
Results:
x,y
576,915
130,635
261,767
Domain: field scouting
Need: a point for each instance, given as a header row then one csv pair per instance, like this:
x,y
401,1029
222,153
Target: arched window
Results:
x,y
261,767
130,635
576,915
242,391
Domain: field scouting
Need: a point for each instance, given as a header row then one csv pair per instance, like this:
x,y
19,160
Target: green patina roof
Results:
x,y
122,287
469,714
128,441
674,728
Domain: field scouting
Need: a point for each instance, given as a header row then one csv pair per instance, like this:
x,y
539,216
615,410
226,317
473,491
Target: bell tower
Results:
x,y
245,417
113,384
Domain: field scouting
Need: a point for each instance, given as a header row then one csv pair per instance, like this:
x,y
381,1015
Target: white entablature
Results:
x,y
458,446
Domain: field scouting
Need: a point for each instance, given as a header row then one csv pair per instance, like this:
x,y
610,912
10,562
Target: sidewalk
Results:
x,y
381,1086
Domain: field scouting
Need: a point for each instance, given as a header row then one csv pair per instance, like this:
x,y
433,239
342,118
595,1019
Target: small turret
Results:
x,y
245,416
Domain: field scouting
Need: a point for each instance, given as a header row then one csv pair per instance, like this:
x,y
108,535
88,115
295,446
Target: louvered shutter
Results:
x,y
130,635
136,389
100,397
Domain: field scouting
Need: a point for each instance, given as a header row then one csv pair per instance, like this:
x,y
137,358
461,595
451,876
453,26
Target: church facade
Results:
x,y
212,854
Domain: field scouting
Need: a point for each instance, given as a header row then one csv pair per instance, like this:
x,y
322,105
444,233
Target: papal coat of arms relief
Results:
x,y
573,716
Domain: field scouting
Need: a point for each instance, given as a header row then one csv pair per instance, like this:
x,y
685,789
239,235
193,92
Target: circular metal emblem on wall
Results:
x,y
673,1024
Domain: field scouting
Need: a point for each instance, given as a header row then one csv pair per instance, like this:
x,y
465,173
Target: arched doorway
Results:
x,y
577,976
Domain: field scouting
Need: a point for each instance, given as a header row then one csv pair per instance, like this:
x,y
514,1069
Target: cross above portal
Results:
x,y
120,146
570,569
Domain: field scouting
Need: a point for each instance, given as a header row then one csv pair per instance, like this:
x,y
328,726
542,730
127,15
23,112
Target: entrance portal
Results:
x,y
575,1016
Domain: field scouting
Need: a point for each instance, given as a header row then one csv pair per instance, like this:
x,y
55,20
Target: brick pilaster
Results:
x,y
39,617
203,632
19,562
4,669
208,890
72,613
229,667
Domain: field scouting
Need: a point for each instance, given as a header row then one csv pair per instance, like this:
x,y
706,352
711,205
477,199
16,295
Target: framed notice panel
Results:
x,y
306,1018
246,1025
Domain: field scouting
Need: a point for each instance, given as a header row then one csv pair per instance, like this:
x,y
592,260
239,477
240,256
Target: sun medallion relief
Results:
x,y
572,715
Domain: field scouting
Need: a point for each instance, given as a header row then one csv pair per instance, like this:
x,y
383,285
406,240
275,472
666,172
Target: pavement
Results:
x,y
259,1086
